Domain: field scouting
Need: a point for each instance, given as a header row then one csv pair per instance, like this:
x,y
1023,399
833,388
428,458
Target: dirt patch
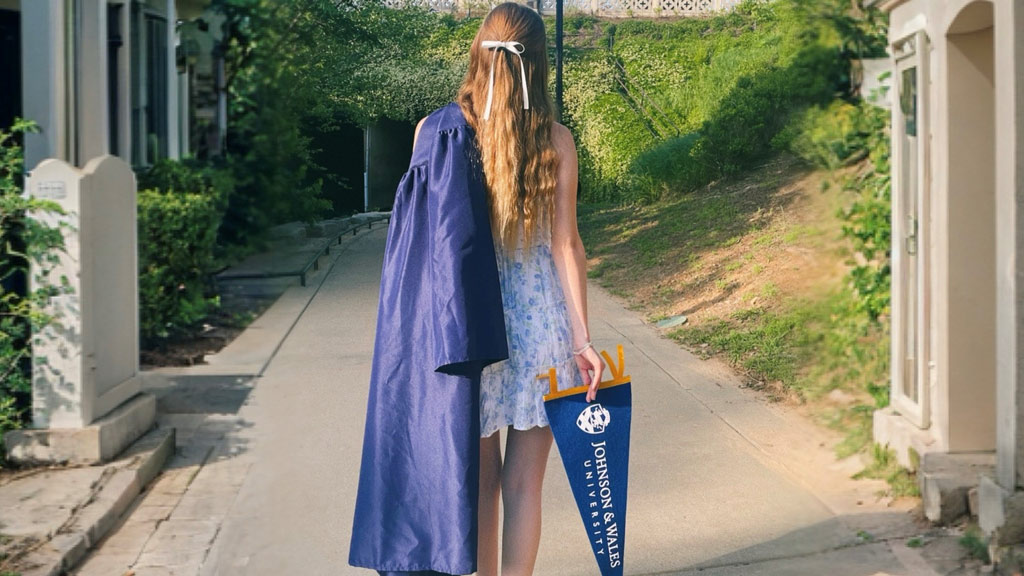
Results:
x,y
238,309
756,241
191,349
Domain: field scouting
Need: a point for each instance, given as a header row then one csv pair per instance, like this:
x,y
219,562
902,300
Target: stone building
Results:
x,y
132,78
957,240
114,85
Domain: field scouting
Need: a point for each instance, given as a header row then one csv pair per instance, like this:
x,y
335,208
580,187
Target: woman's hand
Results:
x,y
591,366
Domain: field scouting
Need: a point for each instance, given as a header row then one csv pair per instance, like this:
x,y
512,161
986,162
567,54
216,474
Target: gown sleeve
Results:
x,y
468,319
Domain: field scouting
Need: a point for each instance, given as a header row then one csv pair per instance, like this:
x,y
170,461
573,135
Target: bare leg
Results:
x,y
490,490
522,477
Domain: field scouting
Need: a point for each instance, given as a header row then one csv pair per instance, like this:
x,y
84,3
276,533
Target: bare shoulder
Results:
x,y
416,134
563,224
562,138
565,147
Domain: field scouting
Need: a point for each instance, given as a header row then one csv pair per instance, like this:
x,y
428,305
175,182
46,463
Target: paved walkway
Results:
x,y
721,483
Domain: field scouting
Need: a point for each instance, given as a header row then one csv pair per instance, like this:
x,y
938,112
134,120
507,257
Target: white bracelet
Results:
x,y
580,351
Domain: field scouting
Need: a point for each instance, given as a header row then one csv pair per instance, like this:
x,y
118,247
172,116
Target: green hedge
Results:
x,y
180,208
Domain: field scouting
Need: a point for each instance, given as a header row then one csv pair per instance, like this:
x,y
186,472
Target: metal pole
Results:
x,y
558,58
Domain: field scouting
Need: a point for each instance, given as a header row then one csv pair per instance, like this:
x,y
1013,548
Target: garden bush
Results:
x,y
827,137
868,220
25,243
180,208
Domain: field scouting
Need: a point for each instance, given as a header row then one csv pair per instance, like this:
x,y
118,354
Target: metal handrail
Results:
x,y
314,262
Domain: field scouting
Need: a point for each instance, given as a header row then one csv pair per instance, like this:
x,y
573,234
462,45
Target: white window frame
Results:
x,y
911,51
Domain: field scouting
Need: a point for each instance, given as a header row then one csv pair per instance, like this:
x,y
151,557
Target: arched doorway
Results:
x,y
971,192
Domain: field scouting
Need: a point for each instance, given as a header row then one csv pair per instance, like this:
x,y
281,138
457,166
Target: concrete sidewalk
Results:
x,y
721,482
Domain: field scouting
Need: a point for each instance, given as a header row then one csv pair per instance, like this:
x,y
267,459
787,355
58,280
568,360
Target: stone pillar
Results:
x,y
86,401
93,133
42,53
1001,501
173,142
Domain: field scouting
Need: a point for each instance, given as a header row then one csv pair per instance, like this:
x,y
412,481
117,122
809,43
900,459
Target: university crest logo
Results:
x,y
594,419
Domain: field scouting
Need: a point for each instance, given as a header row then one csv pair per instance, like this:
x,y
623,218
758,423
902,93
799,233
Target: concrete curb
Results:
x,y
111,496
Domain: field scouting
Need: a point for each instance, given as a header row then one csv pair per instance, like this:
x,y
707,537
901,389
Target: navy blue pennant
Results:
x,y
593,441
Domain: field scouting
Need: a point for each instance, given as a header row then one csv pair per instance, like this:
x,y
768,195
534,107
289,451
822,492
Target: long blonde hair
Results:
x,y
518,157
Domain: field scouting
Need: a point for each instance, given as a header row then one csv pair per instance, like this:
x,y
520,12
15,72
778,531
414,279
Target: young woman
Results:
x,y
482,289
530,172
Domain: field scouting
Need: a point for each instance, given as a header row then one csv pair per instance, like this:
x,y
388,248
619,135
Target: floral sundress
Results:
x,y
539,337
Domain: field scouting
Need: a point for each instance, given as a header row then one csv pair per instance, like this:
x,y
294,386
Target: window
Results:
x,y
149,63
115,41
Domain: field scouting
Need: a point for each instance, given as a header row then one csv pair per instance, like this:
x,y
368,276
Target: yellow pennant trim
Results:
x,y
617,371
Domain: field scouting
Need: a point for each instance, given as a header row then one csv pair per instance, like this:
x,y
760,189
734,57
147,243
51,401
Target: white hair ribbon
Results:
x,y
513,46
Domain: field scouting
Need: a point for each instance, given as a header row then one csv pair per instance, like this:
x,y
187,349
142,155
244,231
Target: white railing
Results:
x,y
608,8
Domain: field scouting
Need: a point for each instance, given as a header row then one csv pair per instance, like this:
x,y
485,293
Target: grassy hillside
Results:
x,y
727,178
758,265
660,107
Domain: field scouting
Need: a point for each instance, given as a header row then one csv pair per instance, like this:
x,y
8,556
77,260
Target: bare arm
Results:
x,y
569,257
416,134
566,244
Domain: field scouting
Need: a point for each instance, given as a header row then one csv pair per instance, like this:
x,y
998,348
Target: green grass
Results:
x,y
769,290
884,466
600,269
808,344
765,345
804,234
856,424
680,229
764,239
812,347
975,544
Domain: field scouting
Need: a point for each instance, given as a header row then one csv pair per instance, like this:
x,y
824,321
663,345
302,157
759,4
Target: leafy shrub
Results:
x,y
669,166
868,219
179,218
25,244
827,137
188,175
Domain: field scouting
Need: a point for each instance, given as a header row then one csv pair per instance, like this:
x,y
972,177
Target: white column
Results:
x,y
42,53
1009,62
140,152
124,77
173,147
93,104
183,115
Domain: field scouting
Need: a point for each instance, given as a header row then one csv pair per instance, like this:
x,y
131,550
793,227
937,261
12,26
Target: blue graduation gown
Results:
x,y
439,323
